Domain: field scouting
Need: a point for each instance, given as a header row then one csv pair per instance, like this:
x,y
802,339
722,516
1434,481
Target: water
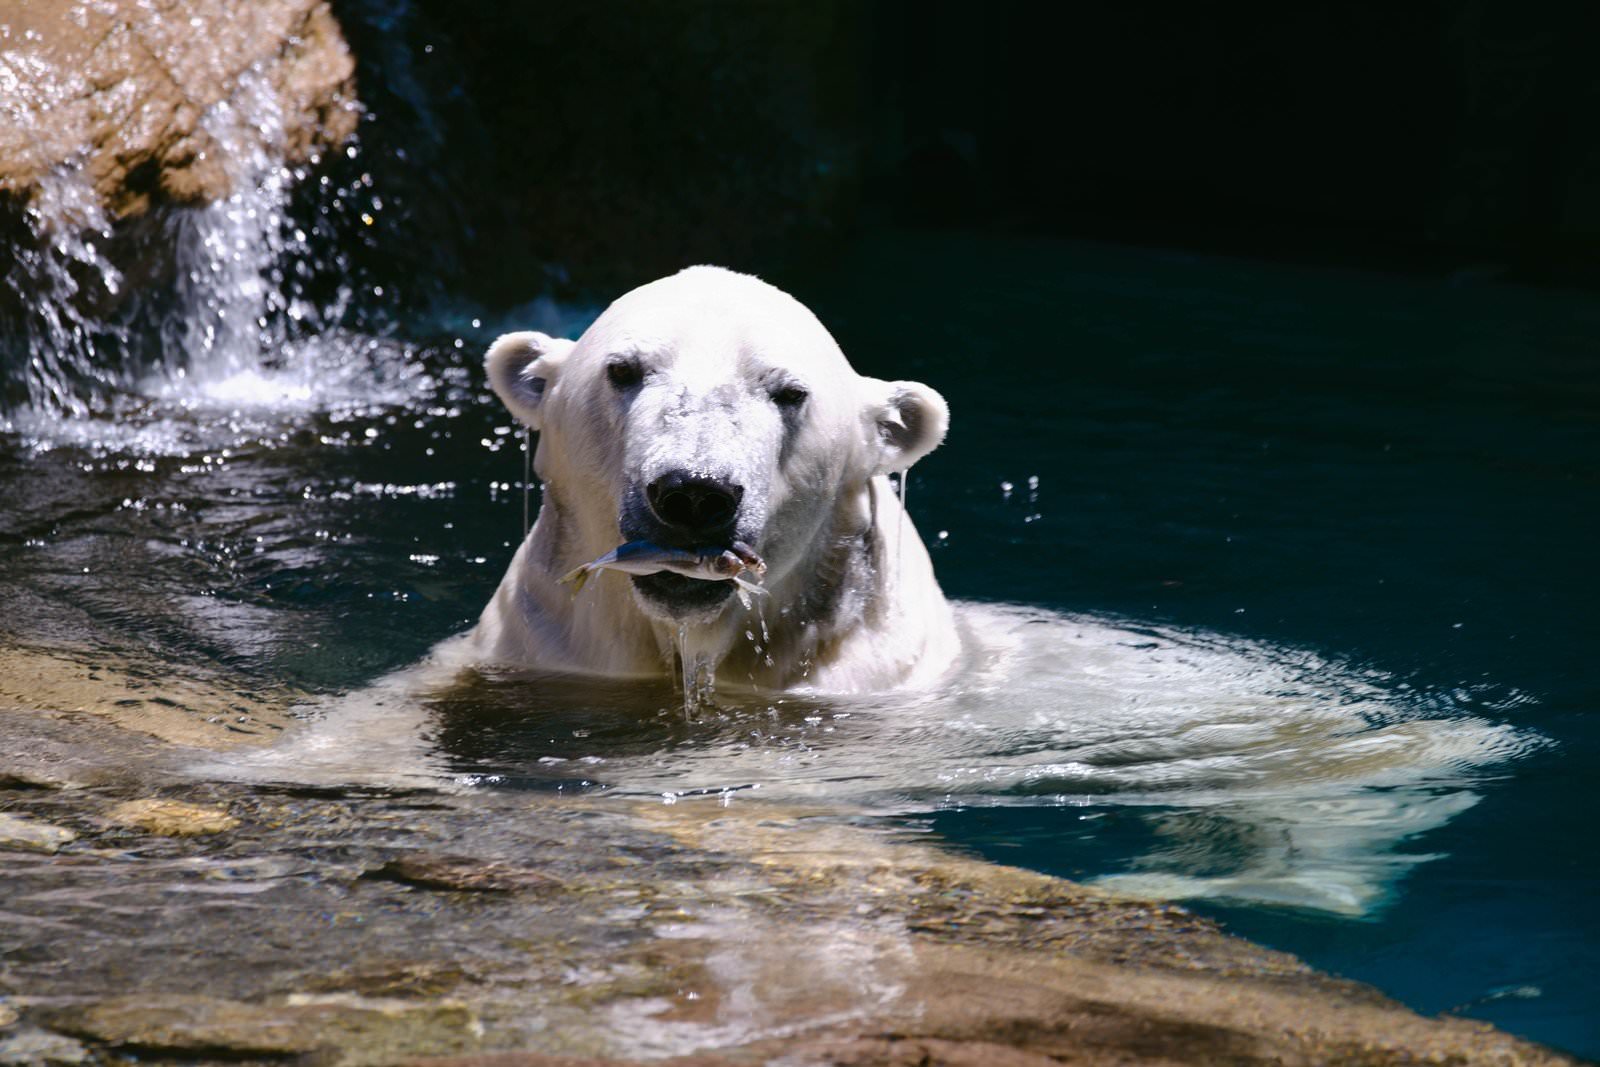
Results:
x,y
1301,560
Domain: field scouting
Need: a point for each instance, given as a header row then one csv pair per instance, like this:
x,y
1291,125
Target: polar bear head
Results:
x,y
701,409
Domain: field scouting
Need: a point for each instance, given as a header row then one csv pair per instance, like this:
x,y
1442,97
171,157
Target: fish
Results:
x,y
646,557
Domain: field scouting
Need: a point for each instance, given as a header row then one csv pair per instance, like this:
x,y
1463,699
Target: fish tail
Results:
x,y
577,577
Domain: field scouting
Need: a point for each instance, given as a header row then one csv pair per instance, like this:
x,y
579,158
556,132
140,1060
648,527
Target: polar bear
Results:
x,y
710,408
699,410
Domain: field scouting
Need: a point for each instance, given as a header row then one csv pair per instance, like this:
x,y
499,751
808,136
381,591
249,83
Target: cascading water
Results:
x,y
244,311
234,256
60,277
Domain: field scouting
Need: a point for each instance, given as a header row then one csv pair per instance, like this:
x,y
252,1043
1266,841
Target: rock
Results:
x,y
26,778
391,979
18,831
40,1048
173,818
133,93
347,1029
195,709
428,871
751,934
8,1016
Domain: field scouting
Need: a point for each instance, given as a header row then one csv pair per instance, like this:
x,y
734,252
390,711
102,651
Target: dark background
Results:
x,y
590,147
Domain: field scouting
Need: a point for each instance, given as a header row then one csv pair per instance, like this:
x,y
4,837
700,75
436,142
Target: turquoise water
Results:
x,y
1353,512
1400,474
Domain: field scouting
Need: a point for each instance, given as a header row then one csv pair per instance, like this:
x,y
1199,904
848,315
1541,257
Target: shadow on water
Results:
x,y
535,731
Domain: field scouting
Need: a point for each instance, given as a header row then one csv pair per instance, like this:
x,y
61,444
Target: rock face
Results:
x,y
146,98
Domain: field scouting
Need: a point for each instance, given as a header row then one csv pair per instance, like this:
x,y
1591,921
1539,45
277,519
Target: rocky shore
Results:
x,y
157,915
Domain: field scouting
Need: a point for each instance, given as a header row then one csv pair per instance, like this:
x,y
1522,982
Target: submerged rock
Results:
x,y
172,818
40,1048
738,935
20,832
127,91
428,871
351,1030
198,710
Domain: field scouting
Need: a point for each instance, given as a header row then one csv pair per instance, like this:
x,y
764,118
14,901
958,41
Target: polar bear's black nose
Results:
x,y
695,506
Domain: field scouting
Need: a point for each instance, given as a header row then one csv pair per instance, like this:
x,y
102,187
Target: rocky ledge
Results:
x,y
156,101
476,927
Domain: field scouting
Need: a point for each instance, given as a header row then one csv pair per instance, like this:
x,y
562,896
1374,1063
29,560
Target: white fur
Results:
x,y
852,602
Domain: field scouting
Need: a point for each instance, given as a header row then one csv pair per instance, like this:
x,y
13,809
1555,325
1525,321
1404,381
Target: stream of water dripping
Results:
x,y
900,523
697,674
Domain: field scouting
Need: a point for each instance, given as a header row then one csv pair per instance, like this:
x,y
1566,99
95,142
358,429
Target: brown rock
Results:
x,y
198,710
18,831
134,92
462,873
173,818
353,1030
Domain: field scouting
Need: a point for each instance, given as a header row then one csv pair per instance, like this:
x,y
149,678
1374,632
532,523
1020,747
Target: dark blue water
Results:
x,y
1398,473
1395,475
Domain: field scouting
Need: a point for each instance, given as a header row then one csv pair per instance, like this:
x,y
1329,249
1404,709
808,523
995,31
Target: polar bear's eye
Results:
x,y
624,373
789,396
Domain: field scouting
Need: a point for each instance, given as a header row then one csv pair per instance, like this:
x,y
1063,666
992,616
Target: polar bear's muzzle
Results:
x,y
690,510
696,510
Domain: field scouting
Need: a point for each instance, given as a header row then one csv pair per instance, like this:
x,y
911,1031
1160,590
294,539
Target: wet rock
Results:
x,y
746,935
391,979
173,818
20,778
429,871
40,1048
198,710
130,91
18,831
347,1030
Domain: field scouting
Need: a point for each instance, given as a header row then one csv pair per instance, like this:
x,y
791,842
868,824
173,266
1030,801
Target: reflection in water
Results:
x,y
1267,775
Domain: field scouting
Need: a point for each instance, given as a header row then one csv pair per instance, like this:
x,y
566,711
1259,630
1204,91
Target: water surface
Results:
x,y
1297,562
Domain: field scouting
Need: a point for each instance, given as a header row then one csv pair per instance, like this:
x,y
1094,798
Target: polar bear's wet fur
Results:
x,y
730,393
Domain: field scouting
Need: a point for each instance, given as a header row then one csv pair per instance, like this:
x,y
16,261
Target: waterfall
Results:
x,y
58,279
231,256
234,306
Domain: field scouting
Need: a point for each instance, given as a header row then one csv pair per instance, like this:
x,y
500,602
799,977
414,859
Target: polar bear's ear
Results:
x,y
521,367
908,421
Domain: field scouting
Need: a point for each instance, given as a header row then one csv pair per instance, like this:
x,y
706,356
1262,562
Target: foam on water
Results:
x,y
1314,774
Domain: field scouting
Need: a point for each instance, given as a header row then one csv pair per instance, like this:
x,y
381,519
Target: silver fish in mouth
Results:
x,y
646,557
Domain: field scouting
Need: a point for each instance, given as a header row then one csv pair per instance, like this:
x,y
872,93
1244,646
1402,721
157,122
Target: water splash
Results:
x,y
1262,773
243,314
233,294
62,277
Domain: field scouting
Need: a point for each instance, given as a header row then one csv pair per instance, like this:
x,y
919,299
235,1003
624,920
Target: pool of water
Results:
x,y
1297,566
